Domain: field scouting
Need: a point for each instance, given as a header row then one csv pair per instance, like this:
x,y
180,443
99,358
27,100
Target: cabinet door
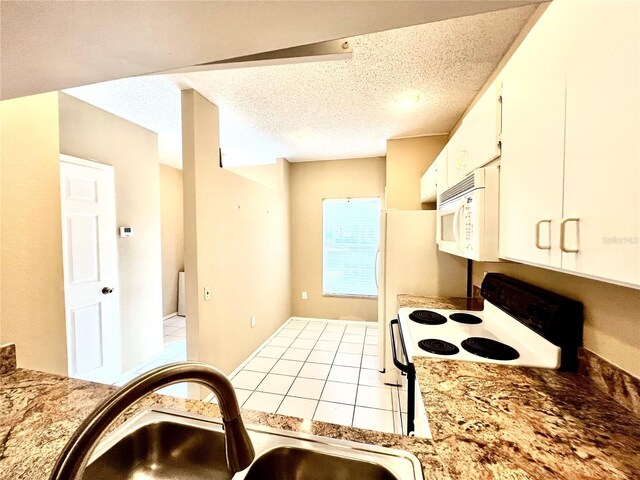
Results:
x,y
531,167
482,129
602,158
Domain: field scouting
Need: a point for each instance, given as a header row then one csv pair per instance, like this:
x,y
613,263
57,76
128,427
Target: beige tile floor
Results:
x,y
323,370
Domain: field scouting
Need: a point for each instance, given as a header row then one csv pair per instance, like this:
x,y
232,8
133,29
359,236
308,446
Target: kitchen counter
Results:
x,y
488,421
39,412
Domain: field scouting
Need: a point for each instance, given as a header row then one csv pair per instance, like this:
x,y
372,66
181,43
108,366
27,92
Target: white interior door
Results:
x,y
90,269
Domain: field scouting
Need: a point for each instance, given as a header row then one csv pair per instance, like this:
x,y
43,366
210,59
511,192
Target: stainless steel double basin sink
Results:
x,y
166,444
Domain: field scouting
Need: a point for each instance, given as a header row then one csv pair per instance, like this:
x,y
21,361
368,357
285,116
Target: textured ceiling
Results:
x,y
325,110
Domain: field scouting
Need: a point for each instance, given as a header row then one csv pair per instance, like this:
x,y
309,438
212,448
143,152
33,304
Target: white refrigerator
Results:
x,y
411,263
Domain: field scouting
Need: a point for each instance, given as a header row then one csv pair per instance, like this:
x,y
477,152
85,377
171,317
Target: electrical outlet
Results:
x,y
304,295
253,321
207,293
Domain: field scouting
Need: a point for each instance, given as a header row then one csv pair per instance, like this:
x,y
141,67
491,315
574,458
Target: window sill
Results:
x,y
344,295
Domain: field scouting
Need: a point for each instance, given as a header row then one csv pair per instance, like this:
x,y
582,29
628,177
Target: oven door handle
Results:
x,y
408,368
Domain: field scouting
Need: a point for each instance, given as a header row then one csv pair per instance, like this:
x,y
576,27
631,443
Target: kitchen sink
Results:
x,y
293,462
163,449
166,444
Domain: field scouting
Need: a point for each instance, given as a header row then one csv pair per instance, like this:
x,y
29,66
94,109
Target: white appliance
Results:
x,y
468,216
521,325
410,263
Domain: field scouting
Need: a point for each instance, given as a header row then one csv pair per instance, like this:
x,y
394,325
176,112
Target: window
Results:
x,y
350,237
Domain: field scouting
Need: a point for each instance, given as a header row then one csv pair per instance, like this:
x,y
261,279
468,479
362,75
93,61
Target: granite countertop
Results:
x,y
488,421
40,411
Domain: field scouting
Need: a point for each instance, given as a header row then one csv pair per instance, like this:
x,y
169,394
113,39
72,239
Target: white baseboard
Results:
x,y
166,317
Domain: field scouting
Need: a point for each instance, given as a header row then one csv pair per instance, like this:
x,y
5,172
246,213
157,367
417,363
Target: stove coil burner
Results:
x,y
465,318
487,348
427,317
440,347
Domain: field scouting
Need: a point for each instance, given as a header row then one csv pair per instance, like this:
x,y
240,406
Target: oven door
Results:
x,y
449,227
408,368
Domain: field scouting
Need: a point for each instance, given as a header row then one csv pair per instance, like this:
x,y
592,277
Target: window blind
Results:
x,y
351,234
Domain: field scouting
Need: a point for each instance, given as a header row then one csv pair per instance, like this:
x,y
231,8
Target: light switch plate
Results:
x,y
207,293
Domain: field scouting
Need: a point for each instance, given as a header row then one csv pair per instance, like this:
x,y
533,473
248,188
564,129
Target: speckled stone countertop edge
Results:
x,y
40,412
8,362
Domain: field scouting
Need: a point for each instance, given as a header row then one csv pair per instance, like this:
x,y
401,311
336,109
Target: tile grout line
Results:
x,y
330,368
296,377
353,417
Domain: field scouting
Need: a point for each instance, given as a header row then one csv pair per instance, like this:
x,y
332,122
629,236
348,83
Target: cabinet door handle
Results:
x,y
563,228
538,245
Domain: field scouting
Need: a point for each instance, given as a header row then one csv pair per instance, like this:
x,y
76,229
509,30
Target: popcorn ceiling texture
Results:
x,y
347,106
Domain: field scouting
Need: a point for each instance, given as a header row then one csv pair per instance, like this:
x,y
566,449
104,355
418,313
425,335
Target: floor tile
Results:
x,y
336,413
247,379
176,322
297,324
372,378
369,361
331,336
348,359
371,349
317,326
326,346
353,338
169,330
315,370
260,364
273,383
303,343
287,367
373,419
289,332
355,329
272,352
299,354
306,388
350,348
374,397
298,407
310,334
169,339
371,340
263,402
281,341
344,374
321,357
339,392
335,327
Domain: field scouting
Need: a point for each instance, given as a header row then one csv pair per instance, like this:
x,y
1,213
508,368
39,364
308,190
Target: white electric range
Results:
x,y
520,325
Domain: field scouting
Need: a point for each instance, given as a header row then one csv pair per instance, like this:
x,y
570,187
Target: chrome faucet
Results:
x,y
72,462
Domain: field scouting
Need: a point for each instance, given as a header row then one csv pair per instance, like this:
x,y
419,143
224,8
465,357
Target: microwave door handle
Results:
x,y
456,225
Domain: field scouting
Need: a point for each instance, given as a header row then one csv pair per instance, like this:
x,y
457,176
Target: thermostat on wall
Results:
x,y
126,232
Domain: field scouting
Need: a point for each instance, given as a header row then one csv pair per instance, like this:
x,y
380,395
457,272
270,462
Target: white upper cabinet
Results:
x,y
570,166
533,117
434,179
476,142
602,145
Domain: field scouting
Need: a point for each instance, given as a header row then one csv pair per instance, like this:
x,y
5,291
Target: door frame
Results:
x,y
116,368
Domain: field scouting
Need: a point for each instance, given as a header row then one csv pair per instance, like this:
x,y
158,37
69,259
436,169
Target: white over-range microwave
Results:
x,y
468,216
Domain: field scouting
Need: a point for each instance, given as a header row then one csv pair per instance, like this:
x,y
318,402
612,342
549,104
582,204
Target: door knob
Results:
x,y
107,290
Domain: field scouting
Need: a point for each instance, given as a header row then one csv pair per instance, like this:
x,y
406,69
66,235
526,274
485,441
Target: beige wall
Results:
x,y
311,182
611,321
407,160
33,315
236,242
172,236
93,134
